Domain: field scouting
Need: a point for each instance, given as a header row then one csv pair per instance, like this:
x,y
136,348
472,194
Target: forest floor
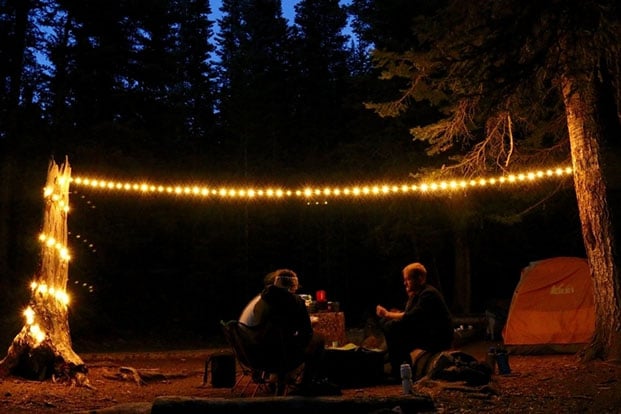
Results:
x,y
537,384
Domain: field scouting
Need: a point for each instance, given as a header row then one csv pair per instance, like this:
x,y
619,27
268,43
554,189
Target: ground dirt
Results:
x,y
537,384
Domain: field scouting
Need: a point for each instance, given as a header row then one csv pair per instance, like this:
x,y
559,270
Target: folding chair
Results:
x,y
257,361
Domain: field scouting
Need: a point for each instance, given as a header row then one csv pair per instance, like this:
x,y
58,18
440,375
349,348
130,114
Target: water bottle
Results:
x,y
406,378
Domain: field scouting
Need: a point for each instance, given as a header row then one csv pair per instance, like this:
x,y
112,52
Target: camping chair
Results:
x,y
263,366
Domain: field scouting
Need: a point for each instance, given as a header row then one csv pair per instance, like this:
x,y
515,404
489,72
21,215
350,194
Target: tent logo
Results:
x,y
561,290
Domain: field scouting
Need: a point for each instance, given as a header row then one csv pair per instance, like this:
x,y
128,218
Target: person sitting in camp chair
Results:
x,y
426,322
285,324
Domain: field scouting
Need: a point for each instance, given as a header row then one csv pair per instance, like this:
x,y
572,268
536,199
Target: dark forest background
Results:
x,y
149,89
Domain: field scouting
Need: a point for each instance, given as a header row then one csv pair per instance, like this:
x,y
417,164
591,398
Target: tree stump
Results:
x,y
42,349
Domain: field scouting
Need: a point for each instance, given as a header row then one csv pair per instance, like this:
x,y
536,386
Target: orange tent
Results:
x,y
552,309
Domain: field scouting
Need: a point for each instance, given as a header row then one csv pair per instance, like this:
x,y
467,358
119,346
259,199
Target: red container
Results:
x,y
321,296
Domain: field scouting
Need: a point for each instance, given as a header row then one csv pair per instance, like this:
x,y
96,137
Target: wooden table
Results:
x,y
331,325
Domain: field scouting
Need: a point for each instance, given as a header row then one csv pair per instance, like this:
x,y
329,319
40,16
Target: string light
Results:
x,y
34,330
48,193
37,334
91,246
60,295
49,241
308,192
85,285
29,314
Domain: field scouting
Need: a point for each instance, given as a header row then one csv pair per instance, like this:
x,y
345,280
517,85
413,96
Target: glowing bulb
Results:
x,y
37,334
29,314
64,254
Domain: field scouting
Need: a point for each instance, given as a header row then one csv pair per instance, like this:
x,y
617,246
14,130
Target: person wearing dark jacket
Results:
x,y
425,323
286,325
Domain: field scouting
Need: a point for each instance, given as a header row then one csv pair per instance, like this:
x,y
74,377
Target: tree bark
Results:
x,y
585,137
42,348
462,295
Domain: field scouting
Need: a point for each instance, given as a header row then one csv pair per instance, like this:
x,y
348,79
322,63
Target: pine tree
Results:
x,y
198,77
254,106
509,78
319,62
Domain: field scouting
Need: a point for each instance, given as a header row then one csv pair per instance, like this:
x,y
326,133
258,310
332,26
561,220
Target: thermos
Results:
x,y
406,378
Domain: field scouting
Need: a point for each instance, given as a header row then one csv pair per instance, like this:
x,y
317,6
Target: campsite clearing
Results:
x,y
537,384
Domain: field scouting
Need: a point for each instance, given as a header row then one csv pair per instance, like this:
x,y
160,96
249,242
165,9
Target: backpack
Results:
x,y
459,366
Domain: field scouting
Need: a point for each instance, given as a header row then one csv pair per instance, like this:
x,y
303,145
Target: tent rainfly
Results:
x,y
552,310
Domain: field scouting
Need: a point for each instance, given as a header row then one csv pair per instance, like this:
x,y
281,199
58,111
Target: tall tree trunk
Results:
x,y
460,217
585,137
43,347
462,295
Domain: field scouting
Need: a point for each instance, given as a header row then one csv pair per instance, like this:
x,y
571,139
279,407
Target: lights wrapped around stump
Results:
x,y
43,349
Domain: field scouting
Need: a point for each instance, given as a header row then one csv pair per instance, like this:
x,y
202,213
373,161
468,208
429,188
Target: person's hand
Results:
x,y
381,311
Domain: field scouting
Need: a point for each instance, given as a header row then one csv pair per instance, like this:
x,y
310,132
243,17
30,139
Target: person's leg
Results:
x,y
313,384
398,352
313,355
